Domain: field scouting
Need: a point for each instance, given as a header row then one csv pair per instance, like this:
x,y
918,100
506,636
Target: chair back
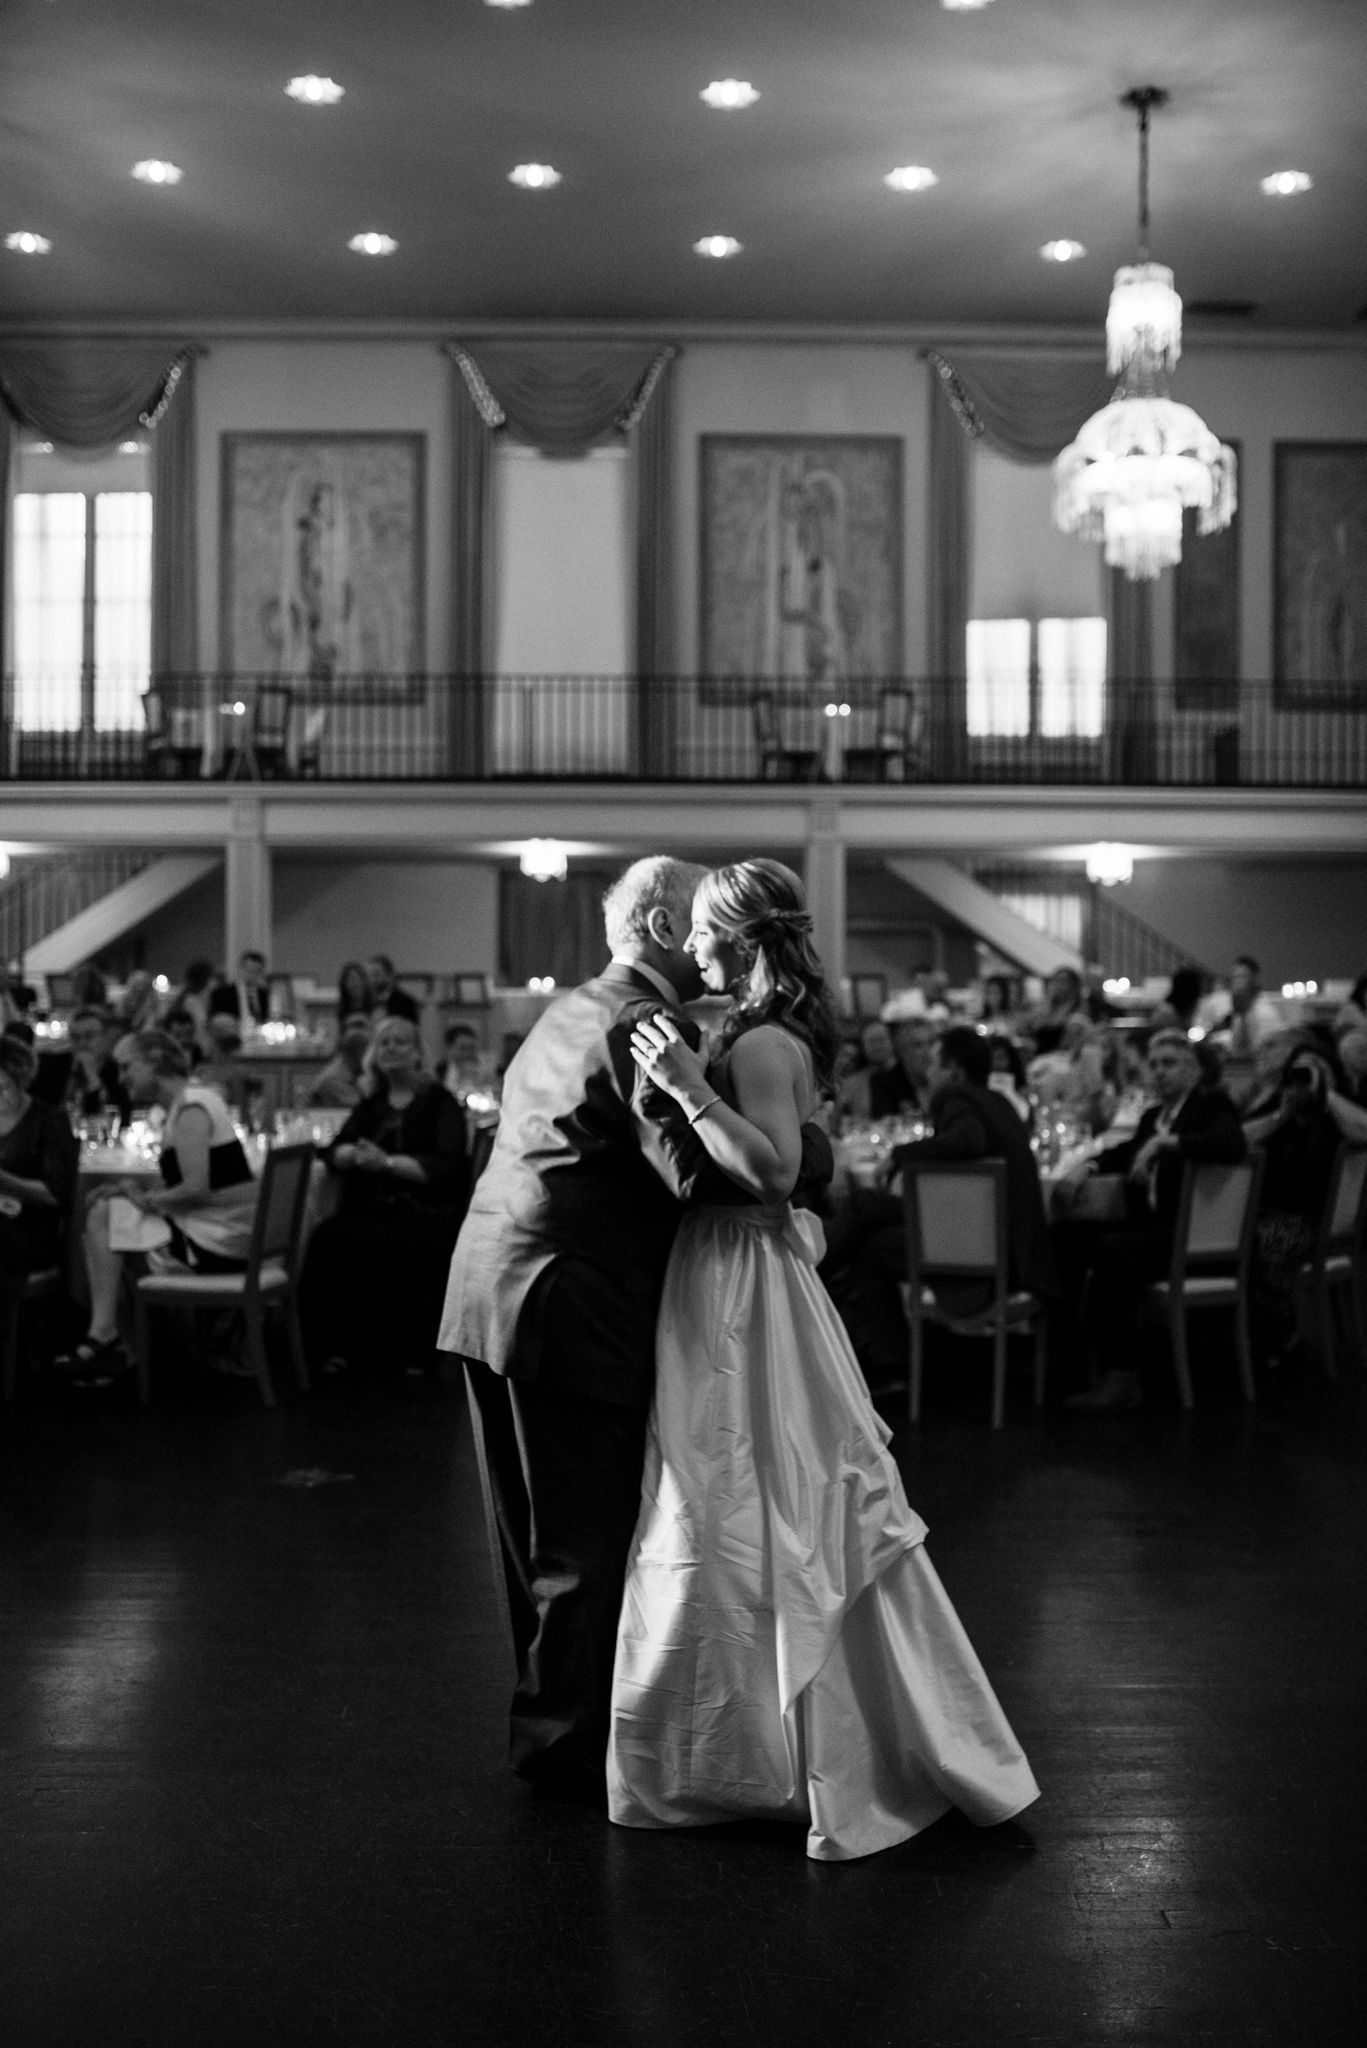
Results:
x,y
766,722
278,1232
1216,1214
271,707
955,1214
894,718
1346,1209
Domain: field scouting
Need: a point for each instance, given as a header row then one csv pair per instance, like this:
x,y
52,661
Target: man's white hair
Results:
x,y
657,883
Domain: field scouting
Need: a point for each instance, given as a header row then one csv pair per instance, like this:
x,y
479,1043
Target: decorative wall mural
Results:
x,y
322,560
1321,576
800,561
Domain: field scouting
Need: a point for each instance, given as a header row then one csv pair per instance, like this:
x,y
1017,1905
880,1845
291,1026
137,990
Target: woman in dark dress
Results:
x,y
376,1270
38,1163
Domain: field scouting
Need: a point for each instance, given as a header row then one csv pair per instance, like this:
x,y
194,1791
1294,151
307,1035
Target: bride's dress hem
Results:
x,y
786,1650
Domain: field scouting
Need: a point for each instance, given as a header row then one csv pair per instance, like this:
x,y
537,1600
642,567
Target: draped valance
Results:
x,y
561,396
1028,406
81,393
88,394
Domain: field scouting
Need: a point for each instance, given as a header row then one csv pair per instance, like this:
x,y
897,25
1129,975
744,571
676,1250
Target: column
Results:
x,y
826,889
247,884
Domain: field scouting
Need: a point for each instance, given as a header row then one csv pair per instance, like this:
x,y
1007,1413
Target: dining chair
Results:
x,y
44,1284
778,760
955,1216
271,712
270,1280
895,753
308,759
1212,1261
1339,1259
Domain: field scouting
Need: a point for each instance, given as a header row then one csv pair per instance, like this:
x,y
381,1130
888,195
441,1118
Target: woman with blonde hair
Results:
x,y
785,1650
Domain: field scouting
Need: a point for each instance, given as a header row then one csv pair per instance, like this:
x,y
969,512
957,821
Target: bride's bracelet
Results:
x,y
698,1114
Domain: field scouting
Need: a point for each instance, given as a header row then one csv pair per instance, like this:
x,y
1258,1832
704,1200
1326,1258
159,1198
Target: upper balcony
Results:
x,y
682,729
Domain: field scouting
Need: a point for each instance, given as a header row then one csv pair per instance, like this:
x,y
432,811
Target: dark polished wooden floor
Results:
x,y
253,1790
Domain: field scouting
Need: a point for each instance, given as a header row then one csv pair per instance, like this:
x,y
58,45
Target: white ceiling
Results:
x,y
1015,106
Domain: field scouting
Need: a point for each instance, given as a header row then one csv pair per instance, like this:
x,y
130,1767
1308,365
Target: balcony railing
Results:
x,y
686,729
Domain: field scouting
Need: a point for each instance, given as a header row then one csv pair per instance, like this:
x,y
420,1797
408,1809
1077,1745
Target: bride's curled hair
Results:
x,y
762,908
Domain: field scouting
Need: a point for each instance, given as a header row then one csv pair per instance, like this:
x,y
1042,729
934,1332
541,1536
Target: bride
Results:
x,y
786,1650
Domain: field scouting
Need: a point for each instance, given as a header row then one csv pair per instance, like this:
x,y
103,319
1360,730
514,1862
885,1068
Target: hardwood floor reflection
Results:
x,y
251,1711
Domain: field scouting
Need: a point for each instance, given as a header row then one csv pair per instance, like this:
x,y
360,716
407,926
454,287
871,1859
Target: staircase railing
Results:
x,y
44,891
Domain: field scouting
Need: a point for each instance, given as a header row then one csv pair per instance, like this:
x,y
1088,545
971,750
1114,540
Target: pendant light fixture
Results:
x,y
1139,461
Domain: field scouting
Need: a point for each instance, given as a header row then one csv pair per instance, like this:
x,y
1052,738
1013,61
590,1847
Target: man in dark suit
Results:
x,y
554,1288
387,998
248,998
83,1077
970,1121
1112,1269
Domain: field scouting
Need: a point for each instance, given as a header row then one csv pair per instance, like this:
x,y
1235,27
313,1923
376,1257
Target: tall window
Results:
x,y
82,584
1037,633
1047,678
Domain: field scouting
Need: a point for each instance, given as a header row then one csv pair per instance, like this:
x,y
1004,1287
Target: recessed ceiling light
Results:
x,y
717,245
130,447
729,93
534,177
40,448
373,245
507,3
911,178
1062,251
312,91
28,244
152,171
963,6
1285,184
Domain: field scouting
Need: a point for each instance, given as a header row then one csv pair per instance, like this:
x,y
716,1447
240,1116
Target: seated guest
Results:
x,y
463,1067
375,1274
971,1121
1007,1077
83,1079
355,997
221,1068
193,996
139,1006
181,1026
206,1200
903,1088
1353,1015
387,999
1111,1268
1178,1009
1299,1140
1063,1001
16,997
342,1082
1242,1012
1352,1050
997,1002
38,1163
247,1000
877,1055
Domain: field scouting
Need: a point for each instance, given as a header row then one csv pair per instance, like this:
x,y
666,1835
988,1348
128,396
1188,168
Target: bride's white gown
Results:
x,y
786,1649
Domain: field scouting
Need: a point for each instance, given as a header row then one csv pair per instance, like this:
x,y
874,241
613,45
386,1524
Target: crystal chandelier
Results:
x,y
1142,458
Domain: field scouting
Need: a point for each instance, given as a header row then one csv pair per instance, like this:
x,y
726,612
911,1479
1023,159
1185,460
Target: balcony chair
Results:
x,y
1212,1262
271,712
173,735
779,762
955,1214
271,1279
1339,1259
308,757
896,750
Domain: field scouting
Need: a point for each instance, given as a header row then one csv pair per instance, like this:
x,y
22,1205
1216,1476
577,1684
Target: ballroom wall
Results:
x,y
1257,395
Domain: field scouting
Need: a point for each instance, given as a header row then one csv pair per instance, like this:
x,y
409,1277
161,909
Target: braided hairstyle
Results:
x,y
761,906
